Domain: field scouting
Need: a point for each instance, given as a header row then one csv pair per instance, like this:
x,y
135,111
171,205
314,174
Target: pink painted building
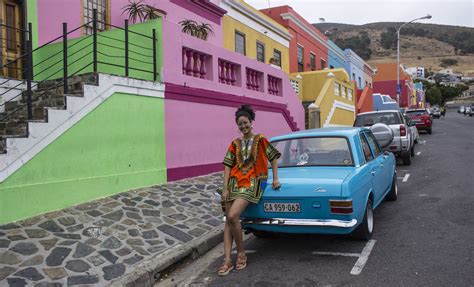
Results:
x,y
204,82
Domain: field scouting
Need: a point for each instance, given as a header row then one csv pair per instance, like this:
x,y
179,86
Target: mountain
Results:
x,y
432,46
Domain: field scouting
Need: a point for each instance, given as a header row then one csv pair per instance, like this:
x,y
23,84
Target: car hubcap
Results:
x,y
370,219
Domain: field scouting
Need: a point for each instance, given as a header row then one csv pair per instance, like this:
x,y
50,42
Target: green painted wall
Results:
x,y
110,50
32,17
110,150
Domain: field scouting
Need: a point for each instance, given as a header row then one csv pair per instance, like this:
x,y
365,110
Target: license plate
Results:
x,y
417,120
281,207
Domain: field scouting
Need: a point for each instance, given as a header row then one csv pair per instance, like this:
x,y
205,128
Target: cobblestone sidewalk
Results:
x,y
97,242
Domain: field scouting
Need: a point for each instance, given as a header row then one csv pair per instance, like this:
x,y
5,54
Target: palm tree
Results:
x,y
204,30
151,13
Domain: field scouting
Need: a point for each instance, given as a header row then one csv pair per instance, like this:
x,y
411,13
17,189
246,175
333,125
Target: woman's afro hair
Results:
x,y
245,110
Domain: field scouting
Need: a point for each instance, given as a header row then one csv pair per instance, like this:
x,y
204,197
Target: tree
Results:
x,y
433,95
388,39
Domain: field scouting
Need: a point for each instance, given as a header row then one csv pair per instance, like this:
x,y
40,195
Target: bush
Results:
x,y
448,62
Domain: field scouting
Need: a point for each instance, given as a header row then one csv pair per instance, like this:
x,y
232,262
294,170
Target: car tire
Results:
x,y
412,151
393,194
406,158
262,234
366,228
430,131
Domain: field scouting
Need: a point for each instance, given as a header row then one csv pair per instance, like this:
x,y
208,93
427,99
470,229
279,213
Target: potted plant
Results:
x,y
191,27
138,10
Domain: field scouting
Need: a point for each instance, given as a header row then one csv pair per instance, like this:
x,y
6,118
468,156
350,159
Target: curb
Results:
x,y
144,273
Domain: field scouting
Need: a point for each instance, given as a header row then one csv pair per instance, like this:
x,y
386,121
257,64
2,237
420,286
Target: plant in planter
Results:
x,y
191,27
138,10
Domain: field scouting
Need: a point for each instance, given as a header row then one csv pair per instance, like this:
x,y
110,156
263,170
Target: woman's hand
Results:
x,y
276,184
225,194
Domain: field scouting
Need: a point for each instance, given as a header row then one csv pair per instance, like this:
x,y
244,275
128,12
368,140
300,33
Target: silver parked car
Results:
x,y
403,144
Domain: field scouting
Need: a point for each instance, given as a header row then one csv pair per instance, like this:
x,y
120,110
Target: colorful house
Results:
x,y
130,115
361,72
308,46
253,34
336,56
385,82
333,95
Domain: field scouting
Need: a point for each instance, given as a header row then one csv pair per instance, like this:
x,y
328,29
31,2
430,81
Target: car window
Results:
x,y
314,151
373,144
388,118
365,148
417,112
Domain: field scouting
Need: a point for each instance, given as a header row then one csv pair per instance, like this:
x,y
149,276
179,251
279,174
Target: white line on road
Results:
x,y
246,251
418,153
422,142
405,178
336,254
364,256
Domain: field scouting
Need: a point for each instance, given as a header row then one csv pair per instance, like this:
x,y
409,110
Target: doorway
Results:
x,y
11,38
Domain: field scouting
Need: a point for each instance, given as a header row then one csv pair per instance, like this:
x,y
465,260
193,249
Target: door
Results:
x,y
11,38
383,179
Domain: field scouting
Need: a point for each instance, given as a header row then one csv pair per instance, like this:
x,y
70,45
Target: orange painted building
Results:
x,y
385,82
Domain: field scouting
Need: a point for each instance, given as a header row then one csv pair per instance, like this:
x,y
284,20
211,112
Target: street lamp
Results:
x,y
399,89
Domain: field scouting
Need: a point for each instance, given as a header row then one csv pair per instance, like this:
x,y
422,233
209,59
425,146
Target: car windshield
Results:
x,y
389,118
314,151
416,112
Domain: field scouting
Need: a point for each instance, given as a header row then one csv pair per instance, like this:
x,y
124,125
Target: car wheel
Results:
x,y
430,131
366,227
393,194
406,158
412,151
262,234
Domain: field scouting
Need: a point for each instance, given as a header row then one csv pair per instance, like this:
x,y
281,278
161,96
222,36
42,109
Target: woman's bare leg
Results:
x,y
233,221
227,233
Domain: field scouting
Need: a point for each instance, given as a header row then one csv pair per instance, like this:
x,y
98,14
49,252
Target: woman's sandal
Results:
x,y
241,261
226,267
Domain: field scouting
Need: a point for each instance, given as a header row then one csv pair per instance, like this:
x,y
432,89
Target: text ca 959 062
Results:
x,y
281,207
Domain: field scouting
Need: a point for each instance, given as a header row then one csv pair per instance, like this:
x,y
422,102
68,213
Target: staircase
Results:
x,y
48,96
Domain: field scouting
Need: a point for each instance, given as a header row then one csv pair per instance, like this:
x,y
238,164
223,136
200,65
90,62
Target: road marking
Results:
x,y
405,178
422,142
246,251
364,256
418,153
423,194
336,254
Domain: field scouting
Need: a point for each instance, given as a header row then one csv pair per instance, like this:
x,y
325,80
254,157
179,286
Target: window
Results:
x,y
336,89
353,76
240,43
102,15
331,67
365,148
360,83
343,90
373,144
277,57
349,94
312,61
300,58
260,52
323,64
11,22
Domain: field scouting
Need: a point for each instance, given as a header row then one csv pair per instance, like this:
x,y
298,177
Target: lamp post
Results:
x,y
399,89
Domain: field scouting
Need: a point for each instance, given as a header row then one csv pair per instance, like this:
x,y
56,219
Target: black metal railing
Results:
x,y
58,65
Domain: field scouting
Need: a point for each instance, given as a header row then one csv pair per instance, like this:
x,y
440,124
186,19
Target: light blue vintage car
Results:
x,y
331,181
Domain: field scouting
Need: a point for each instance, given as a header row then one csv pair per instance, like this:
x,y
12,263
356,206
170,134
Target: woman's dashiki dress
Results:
x,y
248,160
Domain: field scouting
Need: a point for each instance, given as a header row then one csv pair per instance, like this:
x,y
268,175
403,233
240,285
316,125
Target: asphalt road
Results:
x,y
425,238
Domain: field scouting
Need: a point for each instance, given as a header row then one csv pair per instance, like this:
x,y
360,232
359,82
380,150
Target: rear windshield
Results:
x,y
314,151
390,118
416,112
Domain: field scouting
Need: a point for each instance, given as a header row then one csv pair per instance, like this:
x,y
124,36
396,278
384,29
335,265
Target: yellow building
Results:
x,y
253,34
333,94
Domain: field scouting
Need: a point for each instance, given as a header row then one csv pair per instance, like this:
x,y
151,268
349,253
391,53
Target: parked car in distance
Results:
x,y
422,119
467,110
436,113
331,181
403,144
461,109
413,128
471,112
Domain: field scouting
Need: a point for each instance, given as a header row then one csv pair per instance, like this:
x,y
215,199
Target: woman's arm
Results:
x,y
225,192
275,183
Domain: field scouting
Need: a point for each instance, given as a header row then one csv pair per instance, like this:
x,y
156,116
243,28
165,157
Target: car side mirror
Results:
x,y
383,134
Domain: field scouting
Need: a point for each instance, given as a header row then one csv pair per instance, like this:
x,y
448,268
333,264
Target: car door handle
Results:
x,y
373,172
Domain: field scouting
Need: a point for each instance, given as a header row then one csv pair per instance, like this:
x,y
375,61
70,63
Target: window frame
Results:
x,y
363,140
312,61
300,65
257,44
107,19
277,52
323,63
235,42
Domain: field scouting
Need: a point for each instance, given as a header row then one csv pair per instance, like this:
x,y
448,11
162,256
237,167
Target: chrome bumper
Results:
x,y
303,222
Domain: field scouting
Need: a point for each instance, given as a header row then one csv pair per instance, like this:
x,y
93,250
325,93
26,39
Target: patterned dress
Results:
x,y
248,160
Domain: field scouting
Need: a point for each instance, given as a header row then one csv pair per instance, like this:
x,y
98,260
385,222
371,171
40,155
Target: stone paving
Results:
x,y
97,242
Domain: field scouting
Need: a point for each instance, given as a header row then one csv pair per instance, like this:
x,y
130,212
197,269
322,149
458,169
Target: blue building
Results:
x,y
336,56
355,68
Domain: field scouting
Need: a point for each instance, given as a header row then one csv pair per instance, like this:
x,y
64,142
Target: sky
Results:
x,y
454,12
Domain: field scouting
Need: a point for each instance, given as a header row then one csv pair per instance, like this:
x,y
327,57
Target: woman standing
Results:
x,y
245,178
